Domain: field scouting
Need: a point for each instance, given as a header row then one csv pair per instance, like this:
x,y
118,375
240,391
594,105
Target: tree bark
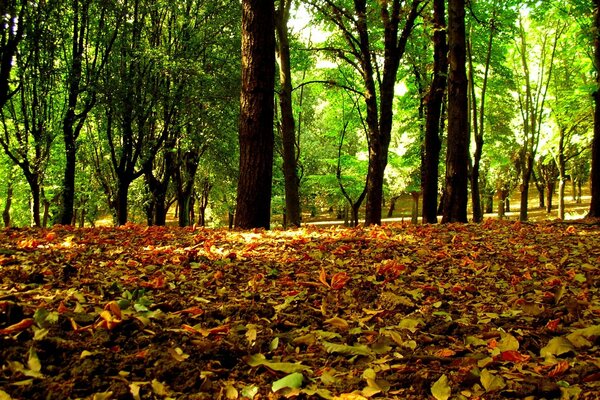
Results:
x,y
435,98
288,130
11,33
256,138
457,156
595,175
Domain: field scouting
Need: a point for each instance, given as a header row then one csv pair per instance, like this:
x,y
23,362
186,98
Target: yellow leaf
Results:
x,y
338,323
231,393
441,390
159,388
491,382
33,362
4,395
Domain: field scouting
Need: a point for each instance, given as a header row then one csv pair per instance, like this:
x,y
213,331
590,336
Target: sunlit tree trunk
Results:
x,y
457,156
256,115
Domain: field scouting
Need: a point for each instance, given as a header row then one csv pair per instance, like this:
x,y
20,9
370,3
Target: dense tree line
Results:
x,y
132,108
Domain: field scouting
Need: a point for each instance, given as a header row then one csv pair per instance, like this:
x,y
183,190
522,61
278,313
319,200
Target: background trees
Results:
x,y
145,97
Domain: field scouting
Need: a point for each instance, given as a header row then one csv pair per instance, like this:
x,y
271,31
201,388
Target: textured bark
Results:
x,y
433,126
11,33
256,115
288,129
595,176
457,156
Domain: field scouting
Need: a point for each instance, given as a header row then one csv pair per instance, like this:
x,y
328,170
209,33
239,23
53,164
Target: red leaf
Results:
x,y
514,356
339,280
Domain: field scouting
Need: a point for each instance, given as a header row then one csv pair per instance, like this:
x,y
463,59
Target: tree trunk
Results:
x,y
549,194
121,200
415,207
526,178
595,174
435,98
392,207
256,115
8,203
457,156
293,214
478,124
13,26
561,197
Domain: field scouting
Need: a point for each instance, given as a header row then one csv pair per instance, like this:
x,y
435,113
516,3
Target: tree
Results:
x,y
433,124
29,117
12,27
457,156
293,215
374,48
594,211
87,54
532,93
256,137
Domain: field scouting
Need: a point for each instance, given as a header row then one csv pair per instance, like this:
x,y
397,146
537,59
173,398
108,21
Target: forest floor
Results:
x,y
489,311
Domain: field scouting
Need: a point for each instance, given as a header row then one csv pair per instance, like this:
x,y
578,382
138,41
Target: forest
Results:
x,y
164,165
129,111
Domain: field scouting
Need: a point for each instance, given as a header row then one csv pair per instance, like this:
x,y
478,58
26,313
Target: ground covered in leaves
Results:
x,y
491,311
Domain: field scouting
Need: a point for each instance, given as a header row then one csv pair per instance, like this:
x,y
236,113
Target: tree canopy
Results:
x,y
130,111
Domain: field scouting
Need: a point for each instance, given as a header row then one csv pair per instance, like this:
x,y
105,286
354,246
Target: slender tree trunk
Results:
x,y
435,98
525,180
288,132
595,175
8,202
415,207
256,115
455,207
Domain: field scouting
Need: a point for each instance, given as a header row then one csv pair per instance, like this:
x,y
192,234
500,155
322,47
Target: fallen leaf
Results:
x,y
293,381
441,389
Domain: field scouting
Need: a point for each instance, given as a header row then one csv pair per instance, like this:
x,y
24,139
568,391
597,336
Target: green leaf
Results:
x,y
250,391
293,381
259,359
441,390
358,350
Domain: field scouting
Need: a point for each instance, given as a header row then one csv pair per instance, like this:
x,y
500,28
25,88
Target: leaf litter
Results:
x,y
491,311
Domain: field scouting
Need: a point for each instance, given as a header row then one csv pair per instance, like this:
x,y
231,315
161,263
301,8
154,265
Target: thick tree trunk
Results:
x,y
457,156
256,115
12,29
122,201
288,129
435,99
595,176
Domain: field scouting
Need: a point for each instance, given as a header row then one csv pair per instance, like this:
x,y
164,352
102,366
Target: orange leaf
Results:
x,y
323,277
559,369
445,353
18,327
